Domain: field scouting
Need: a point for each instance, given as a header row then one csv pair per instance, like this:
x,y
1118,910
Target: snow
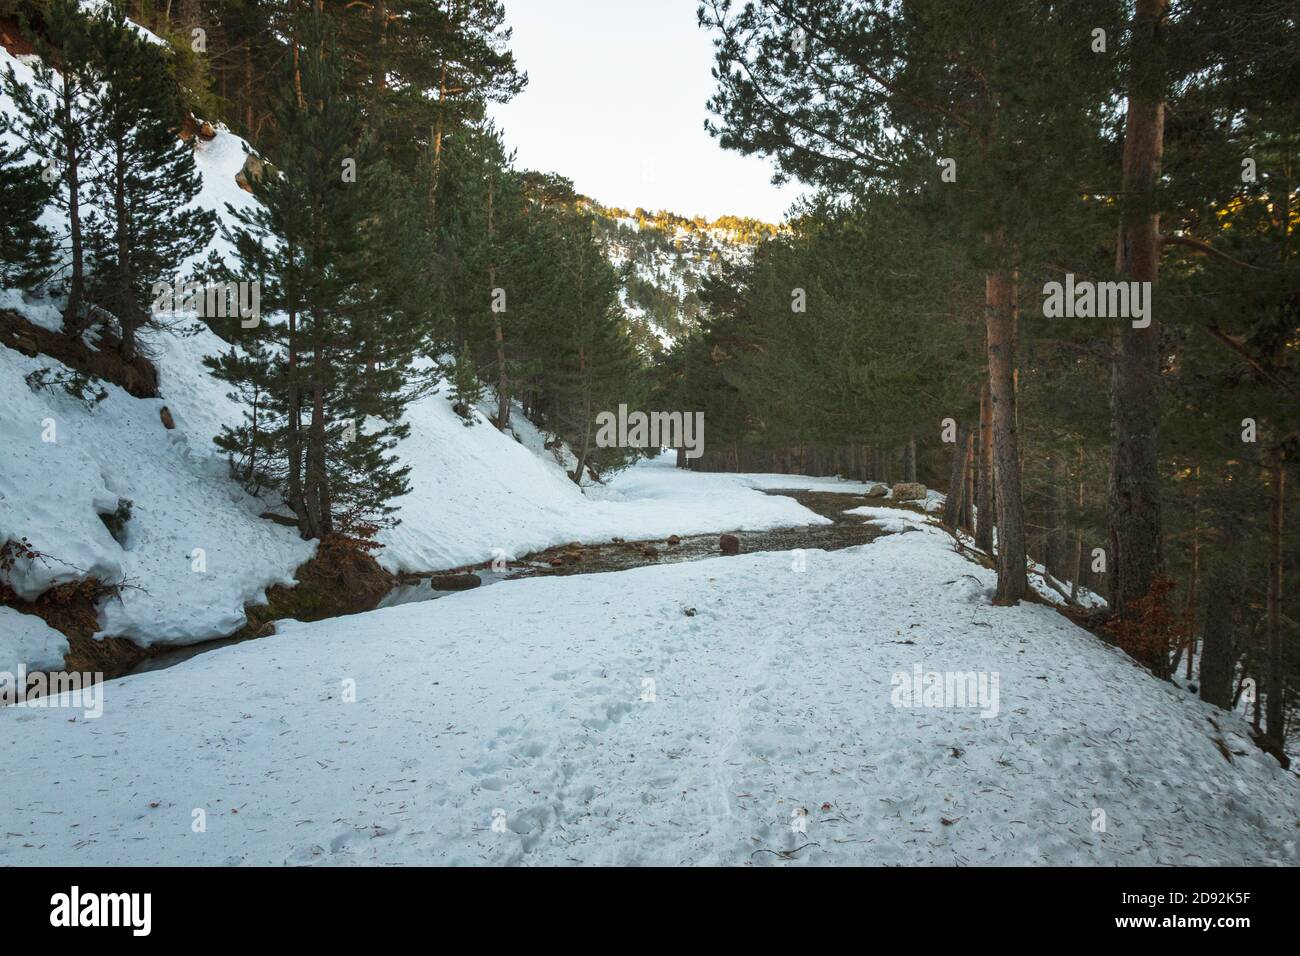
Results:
x,y
892,520
182,499
602,724
27,641
477,492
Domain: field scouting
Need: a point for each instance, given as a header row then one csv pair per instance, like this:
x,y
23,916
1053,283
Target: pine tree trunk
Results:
x,y
1134,503
127,307
1013,579
498,334
248,86
1076,577
984,476
1054,552
1189,615
909,459
1276,725
297,499
968,477
73,321
953,503
381,61
1217,650
315,494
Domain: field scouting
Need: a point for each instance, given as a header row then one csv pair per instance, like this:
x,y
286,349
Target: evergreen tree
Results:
x,y
331,254
466,389
142,177
55,121
26,247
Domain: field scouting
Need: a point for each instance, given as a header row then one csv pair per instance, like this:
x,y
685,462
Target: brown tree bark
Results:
x,y
1055,548
129,314
1076,577
967,519
1189,615
498,333
1133,494
1274,716
954,502
74,322
984,476
1013,579
1218,653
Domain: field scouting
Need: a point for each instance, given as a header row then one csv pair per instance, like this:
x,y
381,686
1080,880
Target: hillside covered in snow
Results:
x,y
369,585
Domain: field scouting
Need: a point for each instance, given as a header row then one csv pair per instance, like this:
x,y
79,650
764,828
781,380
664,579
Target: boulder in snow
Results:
x,y
455,582
909,491
729,544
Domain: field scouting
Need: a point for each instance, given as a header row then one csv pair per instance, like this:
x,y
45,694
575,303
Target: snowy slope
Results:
x,y
528,702
475,489
28,641
181,498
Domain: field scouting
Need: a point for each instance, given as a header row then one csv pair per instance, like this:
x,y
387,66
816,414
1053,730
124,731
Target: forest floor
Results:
x,y
731,710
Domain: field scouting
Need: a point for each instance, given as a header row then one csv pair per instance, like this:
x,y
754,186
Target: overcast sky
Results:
x,y
616,101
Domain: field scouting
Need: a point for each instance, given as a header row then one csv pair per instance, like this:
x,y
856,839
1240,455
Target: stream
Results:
x,y
844,531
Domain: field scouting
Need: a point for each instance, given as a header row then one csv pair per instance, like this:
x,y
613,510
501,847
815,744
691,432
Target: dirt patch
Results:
x,y
12,39
339,580
70,610
137,377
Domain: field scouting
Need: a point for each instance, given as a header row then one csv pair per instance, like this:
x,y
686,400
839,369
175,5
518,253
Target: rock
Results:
x,y
909,491
252,170
340,579
877,491
289,521
25,344
650,552
729,544
674,539
165,414
455,582
206,131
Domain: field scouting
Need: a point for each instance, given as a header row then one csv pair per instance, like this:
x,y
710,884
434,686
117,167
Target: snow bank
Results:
x,y
476,491
193,551
27,641
595,721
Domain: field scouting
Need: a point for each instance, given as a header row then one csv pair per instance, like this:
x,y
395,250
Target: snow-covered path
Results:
x,y
528,702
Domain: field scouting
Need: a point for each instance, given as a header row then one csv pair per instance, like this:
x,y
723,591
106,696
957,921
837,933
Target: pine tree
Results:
x,y
26,247
142,177
901,94
55,121
332,252
466,389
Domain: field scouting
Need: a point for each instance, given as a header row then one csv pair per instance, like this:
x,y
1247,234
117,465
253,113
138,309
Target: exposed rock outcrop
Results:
x,y
909,491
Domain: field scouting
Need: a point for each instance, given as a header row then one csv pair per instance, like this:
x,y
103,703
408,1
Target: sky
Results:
x,y
616,102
